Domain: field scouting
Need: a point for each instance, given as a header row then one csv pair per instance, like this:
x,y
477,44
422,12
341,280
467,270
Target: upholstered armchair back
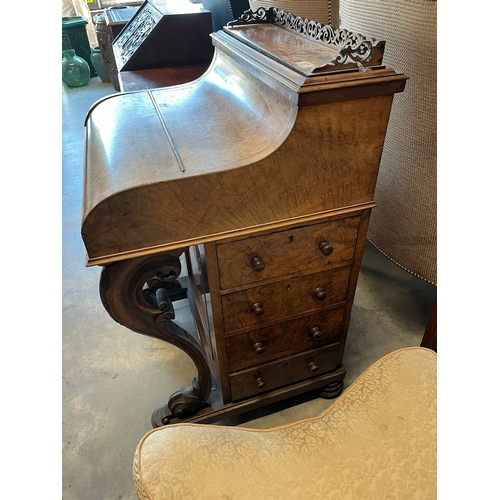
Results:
x,y
224,11
404,224
321,11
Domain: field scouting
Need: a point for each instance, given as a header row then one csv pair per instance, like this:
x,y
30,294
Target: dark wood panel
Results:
x,y
429,339
217,412
289,337
162,34
284,372
145,79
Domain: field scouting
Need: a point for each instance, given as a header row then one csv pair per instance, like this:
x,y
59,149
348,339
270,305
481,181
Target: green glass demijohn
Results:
x,y
99,64
75,70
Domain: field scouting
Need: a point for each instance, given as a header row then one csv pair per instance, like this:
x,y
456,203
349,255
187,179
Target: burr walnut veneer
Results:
x,y
262,173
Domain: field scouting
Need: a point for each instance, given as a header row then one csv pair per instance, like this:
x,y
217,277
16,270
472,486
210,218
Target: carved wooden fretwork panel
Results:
x,y
351,47
136,32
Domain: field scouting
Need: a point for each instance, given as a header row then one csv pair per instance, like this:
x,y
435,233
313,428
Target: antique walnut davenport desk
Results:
x,y
262,172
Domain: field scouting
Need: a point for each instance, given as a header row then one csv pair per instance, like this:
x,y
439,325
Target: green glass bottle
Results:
x,y
99,64
75,70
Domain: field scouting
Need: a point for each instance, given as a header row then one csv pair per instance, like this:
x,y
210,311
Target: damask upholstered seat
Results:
x,y
377,440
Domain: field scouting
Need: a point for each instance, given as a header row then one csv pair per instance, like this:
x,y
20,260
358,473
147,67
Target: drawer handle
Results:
x,y
320,294
258,309
257,264
258,348
313,366
261,383
326,248
316,333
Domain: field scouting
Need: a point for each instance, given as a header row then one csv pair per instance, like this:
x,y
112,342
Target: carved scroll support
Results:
x,y
138,294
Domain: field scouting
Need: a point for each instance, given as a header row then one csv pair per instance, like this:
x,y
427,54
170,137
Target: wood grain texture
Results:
x,y
163,180
212,272
353,280
296,250
284,371
348,138
285,298
159,77
268,175
229,409
283,339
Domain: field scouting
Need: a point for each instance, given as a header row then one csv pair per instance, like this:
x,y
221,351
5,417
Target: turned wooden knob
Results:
x,y
316,333
258,348
258,309
261,383
320,294
326,248
313,366
257,264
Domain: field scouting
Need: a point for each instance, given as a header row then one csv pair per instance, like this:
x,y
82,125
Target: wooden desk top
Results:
x,y
159,77
252,144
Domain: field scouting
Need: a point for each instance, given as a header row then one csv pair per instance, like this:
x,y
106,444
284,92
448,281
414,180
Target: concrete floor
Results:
x,y
113,378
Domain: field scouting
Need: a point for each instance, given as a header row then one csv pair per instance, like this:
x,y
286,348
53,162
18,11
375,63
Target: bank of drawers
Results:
x,y
283,297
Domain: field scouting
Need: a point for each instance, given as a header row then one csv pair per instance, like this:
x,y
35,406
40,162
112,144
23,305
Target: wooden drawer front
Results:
x,y
272,302
284,339
282,253
284,372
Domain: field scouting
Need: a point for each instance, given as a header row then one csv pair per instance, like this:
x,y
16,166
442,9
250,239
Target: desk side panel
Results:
x,y
328,161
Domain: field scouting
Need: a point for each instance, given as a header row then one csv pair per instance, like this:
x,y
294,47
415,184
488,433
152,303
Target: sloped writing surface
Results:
x,y
236,150
151,157
221,120
224,120
125,145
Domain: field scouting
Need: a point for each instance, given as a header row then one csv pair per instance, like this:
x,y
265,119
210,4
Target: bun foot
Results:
x,y
332,391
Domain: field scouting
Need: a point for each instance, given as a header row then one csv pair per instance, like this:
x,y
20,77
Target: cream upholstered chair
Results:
x,y
377,440
404,224
321,11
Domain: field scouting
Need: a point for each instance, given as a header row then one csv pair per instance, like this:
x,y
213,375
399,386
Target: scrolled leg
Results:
x,y
138,294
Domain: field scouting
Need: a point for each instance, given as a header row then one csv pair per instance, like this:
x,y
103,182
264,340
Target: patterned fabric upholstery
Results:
x,y
404,224
377,440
